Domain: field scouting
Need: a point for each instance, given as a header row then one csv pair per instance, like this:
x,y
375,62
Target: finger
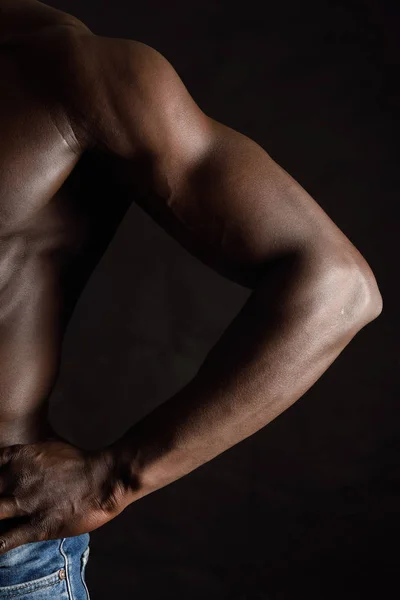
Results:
x,y
7,453
24,534
9,508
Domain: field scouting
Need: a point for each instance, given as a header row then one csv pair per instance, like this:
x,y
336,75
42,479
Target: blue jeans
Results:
x,y
52,570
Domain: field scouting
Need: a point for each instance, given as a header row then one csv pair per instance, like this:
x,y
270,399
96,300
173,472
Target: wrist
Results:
x,y
121,463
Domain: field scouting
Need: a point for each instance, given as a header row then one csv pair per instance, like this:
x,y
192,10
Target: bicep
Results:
x,y
237,210
214,189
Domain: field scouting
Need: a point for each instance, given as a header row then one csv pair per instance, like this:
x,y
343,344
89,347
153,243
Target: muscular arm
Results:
x,y
230,204
223,198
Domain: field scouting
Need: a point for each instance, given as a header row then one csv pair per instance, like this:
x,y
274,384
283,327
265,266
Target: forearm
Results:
x,y
285,337
227,202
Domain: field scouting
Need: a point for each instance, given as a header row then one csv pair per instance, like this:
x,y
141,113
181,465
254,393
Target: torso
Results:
x,y
54,224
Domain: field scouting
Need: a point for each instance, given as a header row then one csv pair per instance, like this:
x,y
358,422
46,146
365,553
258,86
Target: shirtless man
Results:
x,y
72,106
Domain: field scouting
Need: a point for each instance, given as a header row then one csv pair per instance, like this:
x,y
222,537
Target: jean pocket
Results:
x,y
44,588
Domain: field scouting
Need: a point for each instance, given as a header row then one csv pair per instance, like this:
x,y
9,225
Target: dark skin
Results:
x,y
78,113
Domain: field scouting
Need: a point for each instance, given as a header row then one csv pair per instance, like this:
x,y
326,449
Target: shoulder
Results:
x,y
129,98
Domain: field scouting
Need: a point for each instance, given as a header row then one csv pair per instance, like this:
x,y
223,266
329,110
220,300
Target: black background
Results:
x,y
308,506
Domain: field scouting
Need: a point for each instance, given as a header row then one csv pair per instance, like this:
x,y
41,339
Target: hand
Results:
x,y
52,490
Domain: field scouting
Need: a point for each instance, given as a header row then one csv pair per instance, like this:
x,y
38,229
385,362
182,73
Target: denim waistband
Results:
x,y
39,559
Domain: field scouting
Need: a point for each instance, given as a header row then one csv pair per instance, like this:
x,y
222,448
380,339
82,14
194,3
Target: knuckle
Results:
x,y
41,535
15,449
22,451
23,477
41,523
39,532
46,526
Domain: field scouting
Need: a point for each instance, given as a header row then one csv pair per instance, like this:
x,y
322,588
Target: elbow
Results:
x,y
341,287
370,304
356,292
375,301
338,291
